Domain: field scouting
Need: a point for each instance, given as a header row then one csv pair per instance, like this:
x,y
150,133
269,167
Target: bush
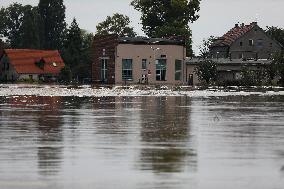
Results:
x,y
206,71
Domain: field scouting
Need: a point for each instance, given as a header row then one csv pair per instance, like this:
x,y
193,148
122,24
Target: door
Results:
x,y
190,79
104,70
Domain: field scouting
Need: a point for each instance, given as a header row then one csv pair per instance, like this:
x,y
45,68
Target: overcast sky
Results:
x,y
216,16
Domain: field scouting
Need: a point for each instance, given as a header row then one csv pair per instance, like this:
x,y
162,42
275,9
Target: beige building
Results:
x,y
138,60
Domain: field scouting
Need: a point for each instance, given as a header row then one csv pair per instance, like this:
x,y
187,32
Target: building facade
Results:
x,y
229,70
27,64
245,42
140,60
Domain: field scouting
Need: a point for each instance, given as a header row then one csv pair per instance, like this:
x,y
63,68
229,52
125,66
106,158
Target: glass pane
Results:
x,y
144,64
178,65
178,76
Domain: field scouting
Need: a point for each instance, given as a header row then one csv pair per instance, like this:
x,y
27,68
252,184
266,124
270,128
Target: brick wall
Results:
x,y
104,46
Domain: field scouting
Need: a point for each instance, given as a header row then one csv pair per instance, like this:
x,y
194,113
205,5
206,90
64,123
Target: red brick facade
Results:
x,y
104,47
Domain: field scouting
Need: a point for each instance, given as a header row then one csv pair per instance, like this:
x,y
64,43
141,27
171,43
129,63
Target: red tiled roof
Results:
x,y
24,61
234,34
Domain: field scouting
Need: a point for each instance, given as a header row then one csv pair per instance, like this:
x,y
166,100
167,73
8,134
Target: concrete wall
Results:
x,y
139,52
268,47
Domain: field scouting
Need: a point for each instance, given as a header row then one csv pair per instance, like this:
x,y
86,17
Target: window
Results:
x,y
161,70
241,43
259,43
104,63
144,64
127,73
250,42
271,44
178,70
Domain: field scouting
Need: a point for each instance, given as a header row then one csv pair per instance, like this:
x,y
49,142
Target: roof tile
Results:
x,y
24,61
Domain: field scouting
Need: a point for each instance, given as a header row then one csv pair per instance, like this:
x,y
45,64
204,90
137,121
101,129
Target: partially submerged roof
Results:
x,y
151,41
28,61
235,33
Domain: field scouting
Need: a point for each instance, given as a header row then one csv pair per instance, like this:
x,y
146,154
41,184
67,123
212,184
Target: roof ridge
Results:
x,y
234,33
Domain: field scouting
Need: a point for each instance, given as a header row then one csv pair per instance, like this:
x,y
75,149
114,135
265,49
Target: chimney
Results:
x,y
243,25
237,25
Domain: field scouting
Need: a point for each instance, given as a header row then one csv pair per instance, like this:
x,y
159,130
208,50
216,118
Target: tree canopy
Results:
x,y
52,14
207,71
204,48
276,33
18,24
167,18
116,24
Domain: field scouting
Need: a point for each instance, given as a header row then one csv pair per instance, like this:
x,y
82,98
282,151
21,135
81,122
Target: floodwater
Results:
x,y
142,142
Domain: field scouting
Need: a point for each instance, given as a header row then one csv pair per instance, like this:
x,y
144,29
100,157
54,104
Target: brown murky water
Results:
x,y
143,142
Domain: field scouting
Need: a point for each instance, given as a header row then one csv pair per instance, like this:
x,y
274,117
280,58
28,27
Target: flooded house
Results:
x,y
138,60
245,42
28,64
244,46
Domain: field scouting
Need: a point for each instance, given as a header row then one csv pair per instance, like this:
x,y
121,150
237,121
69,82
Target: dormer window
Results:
x,y
250,42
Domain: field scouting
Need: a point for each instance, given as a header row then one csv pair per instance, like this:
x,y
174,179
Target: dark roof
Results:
x,y
25,61
235,33
151,41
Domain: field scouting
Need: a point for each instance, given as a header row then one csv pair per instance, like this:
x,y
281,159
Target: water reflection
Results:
x,y
48,124
165,132
141,142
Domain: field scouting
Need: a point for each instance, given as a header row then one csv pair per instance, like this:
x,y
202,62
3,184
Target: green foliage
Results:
x,y
19,25
65,75
30,28
271,72
52,14
276,33
77,51
252,77
207,71
73,45
116,24
279,62
204,49
167,18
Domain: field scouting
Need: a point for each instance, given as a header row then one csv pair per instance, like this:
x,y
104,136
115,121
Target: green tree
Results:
x,y
116,24
52,15
207,71
65,75
279,61
11,23
167,18
19,25
77,52
204,49
30,31
276,33
72,52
